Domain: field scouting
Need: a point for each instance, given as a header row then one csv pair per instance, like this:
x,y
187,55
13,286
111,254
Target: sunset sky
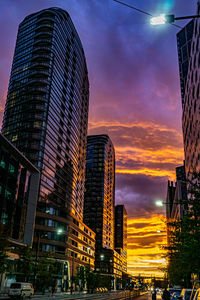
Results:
x,y
134,98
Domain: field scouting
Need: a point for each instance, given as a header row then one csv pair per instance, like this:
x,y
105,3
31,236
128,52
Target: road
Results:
x,y
107,296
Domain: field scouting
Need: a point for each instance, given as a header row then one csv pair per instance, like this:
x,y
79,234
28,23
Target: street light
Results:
x,y
159,203
60,231
163,19
102,256
159,20
39,236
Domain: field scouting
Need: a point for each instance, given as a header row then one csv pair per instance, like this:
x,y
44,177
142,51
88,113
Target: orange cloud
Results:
x,y
143,148
146,238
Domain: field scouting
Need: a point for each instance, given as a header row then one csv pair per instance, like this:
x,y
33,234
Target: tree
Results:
x,y
184,238
45,271
4,247
26,263
80,277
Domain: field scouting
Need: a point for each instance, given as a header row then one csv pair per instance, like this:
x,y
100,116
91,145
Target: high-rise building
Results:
x,y
100,189
46,117
184,40
176,195
99,204
171,188
191,94
121,234
19,184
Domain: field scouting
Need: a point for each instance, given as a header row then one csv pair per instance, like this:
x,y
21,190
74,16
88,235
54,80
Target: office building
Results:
x,y
121,234
190,114
176,195
100,189
171,188
19,184
184,40
100,199
46,117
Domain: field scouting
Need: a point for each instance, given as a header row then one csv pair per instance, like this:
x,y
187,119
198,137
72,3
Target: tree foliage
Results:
x,y
46,269
4,247
26,263
184,238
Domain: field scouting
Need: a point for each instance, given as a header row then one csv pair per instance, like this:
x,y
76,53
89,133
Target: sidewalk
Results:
x,y
36,295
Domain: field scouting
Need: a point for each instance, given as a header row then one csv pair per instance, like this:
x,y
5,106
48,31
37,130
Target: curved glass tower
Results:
x,y
46,117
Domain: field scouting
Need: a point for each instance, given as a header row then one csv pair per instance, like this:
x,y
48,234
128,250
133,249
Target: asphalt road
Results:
x,y
107,296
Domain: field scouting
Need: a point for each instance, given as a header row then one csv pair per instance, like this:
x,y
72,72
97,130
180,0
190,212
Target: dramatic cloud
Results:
x,y
134,98
146,242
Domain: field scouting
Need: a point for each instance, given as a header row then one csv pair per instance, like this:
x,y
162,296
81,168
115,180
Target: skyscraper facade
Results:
x,y
176,194
191,93
100,189
46,117
184,40
19,183
99,209
121,234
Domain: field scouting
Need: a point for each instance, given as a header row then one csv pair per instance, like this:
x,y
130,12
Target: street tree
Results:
x,y
26,264
184,238
46,269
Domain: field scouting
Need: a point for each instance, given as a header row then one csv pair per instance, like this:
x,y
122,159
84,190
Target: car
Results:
x,y
188,294
21,290
173,290
175,295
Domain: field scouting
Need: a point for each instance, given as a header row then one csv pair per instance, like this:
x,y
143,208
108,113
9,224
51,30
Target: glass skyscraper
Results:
x,y
99,208
184,40
191,93
19,183
121,233
46,118
100,189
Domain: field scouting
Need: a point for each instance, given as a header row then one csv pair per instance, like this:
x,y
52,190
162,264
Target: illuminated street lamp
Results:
x,y
60,231
168,19
102,256
159,203
159,20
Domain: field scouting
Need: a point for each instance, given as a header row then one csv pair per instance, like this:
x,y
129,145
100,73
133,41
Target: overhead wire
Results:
x,y
140,10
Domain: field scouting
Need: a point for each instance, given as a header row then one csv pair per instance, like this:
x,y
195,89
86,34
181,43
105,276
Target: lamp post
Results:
x,y
164,19
39,236
72,280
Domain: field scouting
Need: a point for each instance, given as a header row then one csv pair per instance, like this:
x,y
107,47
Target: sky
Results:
x,y
134,98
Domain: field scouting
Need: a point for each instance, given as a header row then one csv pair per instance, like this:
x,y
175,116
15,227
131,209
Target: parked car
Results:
x,y
188,294
173,290
21,290
175,295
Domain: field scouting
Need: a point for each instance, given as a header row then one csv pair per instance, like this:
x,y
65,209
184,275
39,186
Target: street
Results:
x,y
122,295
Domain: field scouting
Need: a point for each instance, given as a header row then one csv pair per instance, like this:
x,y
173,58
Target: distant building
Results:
x,y
171,188
121,234
176,194
46,118
99,204
19,184
99,198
